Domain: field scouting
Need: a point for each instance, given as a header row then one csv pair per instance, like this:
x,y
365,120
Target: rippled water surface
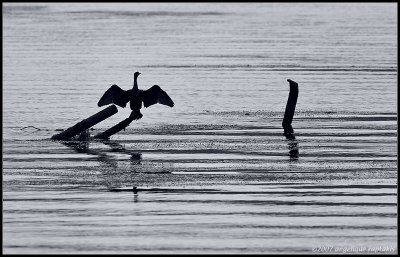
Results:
x,y
215,173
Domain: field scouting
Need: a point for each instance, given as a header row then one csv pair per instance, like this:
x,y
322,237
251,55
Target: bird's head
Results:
x,y
137,74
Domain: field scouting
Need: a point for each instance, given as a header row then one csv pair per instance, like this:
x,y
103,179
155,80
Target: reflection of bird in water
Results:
x,y
135,96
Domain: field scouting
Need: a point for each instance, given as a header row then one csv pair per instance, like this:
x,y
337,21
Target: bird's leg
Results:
x,y
135,115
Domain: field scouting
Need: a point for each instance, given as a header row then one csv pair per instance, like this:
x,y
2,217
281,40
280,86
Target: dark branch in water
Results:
x,y
117,128
86,123
30,127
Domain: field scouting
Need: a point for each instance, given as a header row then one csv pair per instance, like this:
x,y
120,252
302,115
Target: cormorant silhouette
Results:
x,y
136,97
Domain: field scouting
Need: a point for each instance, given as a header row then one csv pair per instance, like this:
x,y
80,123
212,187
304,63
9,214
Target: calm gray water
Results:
x,y
216,173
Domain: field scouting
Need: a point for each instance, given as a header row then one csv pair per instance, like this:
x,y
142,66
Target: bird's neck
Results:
x,y
135,85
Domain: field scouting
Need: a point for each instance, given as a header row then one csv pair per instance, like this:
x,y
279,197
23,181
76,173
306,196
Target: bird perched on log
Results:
x,y
136,97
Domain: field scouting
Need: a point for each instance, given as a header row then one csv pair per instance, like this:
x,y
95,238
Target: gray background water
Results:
x,y
218,171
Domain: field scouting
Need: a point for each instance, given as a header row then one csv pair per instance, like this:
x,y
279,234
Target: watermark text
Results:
x,y
353,249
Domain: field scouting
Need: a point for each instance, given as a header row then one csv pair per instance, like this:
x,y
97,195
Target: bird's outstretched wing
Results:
x,y
155,95
114,95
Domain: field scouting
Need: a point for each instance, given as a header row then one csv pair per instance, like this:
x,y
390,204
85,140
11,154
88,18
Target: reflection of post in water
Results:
x,y
136,157
81,144
288,131
114,176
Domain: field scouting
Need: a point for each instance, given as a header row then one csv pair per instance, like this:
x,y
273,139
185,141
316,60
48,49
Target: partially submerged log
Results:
x,y
86,123
115,129
290,108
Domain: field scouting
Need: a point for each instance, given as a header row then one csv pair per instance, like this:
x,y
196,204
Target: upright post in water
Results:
x,y
86,123
115,129
289,111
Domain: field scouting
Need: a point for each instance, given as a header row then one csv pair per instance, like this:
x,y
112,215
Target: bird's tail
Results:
x,y
136,115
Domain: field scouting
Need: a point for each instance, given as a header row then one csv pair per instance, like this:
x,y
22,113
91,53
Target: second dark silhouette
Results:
x,y
289,110
136,97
